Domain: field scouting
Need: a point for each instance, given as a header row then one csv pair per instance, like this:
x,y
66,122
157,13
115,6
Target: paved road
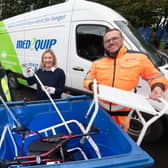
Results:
x,y
159,150
24,93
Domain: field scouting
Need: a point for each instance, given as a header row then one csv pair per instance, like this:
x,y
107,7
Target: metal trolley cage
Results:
x,y
138,104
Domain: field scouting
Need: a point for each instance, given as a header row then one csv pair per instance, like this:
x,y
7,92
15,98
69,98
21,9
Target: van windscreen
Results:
x,y
139,42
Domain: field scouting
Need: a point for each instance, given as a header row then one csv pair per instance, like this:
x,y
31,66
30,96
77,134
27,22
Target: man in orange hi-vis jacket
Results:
x,y
121,68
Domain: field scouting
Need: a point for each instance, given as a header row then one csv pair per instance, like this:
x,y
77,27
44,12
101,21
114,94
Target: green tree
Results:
x,y
14,7
9,8
140,12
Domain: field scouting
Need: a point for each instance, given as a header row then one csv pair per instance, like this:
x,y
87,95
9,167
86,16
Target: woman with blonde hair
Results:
x,y
54,61
52,77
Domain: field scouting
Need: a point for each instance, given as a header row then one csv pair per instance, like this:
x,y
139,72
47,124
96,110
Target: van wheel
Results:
x,y
153,133
13,81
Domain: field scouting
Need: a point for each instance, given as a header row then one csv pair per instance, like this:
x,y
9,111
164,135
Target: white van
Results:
x,y
74,30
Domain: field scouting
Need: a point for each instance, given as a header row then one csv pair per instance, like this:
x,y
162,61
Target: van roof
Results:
x,y
97,11
82,10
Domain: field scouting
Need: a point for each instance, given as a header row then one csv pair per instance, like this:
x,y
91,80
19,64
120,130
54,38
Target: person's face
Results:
x,y
113,41
48,60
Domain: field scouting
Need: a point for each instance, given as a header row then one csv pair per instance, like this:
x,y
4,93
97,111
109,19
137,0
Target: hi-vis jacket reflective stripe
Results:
x,y
4,84
123,72
113,108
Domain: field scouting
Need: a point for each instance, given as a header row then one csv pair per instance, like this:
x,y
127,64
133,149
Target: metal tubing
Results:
x,y
52,101
10,112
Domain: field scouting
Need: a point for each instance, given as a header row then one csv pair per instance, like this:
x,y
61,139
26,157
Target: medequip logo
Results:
x,y
36,44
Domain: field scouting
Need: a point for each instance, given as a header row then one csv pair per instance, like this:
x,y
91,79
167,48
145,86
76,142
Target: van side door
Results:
x,y
86,46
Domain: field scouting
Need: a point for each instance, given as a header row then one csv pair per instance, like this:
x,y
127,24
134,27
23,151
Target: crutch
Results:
x,y
52,101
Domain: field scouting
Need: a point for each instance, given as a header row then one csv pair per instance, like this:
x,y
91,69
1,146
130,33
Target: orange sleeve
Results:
x,y
151,74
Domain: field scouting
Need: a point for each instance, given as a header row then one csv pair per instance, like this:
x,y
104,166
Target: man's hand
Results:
x,y
91,85
156,93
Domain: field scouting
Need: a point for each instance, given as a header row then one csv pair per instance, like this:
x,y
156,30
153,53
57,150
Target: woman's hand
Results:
x,y
50,90
27,72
